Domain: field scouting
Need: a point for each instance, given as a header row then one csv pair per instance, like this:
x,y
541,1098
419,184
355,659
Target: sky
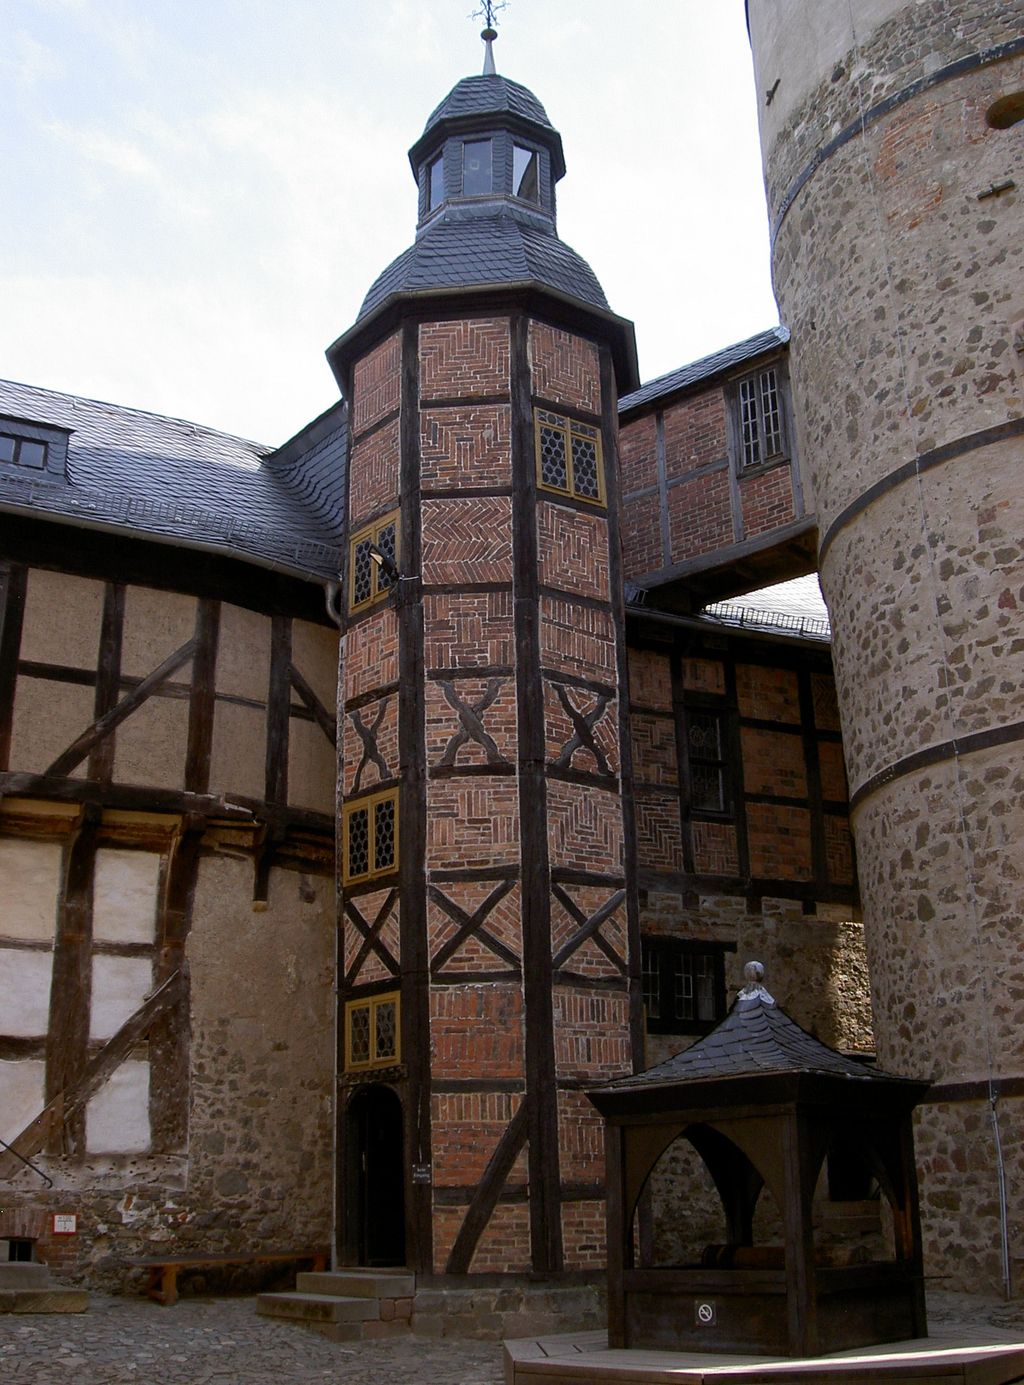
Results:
x,y
199,192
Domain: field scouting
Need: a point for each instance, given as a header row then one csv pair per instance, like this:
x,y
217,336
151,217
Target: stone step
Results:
x,y
23,1274
358,1283
51,1300
317,1308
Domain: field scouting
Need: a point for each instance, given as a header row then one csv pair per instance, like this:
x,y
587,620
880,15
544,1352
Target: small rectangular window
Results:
x,y
436,183
373,558
370,837
24,452
569,457
760,419
525,173
372,1037
706,756
476,168
683,985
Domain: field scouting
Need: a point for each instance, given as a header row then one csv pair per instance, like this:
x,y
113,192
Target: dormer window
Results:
x,y
476,168
525,174
22,452
435,183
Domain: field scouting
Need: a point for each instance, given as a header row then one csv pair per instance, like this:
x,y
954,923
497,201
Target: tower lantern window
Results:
x,y
476,168
525,173
435,186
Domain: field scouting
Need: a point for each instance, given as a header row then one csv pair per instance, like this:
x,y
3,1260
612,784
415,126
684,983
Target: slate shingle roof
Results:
x,y
755,1038
150,475
475,96
486,250
705,368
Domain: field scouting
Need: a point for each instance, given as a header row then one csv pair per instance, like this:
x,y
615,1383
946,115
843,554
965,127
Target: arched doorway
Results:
x,y
375,1177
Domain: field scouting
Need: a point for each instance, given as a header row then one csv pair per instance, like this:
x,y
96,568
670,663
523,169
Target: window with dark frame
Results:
x,y
569,457
26,452
435,183
370,837
477,179
760,423
705,745
525,173
370,579
683,985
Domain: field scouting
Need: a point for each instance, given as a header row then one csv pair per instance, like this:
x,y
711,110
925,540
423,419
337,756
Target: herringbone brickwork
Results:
x,y
650,679
486,731
472,822
566,369
468,630
577,639
463,358
584,827
377,384
374,467
467,446
371,654
467,541
659,842
370,745
654,749
715,851
573,550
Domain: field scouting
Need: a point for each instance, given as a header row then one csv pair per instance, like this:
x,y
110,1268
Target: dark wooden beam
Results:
x,y
108,678
488,1191
12,614
202,697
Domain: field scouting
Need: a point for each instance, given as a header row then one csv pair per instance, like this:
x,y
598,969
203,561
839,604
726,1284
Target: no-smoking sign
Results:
x,y
704,1313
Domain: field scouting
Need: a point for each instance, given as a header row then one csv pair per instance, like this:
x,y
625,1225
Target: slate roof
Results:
x,y
757,1037
705,368
149,475
486,250
492,95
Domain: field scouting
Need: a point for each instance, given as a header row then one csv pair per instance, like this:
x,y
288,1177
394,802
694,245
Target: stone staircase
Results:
x,y
26,1287
351,1305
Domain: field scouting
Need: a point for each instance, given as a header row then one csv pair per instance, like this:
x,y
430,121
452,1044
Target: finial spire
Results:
x,y
753,975
488,12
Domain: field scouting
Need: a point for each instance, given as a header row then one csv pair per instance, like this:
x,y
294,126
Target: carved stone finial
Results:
x,y
753,975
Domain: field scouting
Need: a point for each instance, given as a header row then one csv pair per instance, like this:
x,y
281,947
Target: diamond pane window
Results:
x,y
385,1029
359,1034
684,984
369,580
384,834
705,744
525,173
760,419
371,837
358,862
372,1033
569,457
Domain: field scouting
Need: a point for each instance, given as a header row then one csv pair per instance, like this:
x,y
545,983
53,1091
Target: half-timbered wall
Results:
x,y
166,947
484,689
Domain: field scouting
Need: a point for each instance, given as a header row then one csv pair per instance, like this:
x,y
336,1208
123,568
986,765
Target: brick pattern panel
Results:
x,y
448,743
373,473
504,1248
767,501
465,1129
362,765
600,722
641,537
773,762
659,841
377,384
833,771
371,654
467,541
468,446
369,907
650,679
769,694
583,1235
591,1034
580,1132
577,639
715,851
565,368
584,827
838,850
695,433
573,550
463,358
704,676
826,704
638,454
468,630
654,749
700,516
472,822
476,1031
588,958
779,840
503,922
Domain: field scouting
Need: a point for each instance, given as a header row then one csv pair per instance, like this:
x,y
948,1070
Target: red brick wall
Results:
x,y
650,679
704,676
498,720
374,466
476,1030
715,851
773,762
655,760
641,536
577,639
453,898
385,738
377,383
780,842
591,1039
699,516
588,958
472,822
584,827
638,454
559,730
466,446
468,629
768,694
464,357
766,501
695,433
659,842
565,368
573,550
467,541
369,907
583,1235
370,660
833,771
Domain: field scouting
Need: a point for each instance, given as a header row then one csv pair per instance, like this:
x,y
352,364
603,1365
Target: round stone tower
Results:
x,y
488,957
893,172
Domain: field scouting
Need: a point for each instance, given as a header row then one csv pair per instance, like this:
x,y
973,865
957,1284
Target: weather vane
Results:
x,y
489,12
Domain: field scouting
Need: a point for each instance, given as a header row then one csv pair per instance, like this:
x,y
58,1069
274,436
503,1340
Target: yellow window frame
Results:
x,y
375,1059
570,429
379,588
369,806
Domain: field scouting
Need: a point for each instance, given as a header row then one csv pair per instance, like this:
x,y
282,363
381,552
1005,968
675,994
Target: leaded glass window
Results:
x,y
385,1029
384,834
760,421
569,457
358,843
369,577
372,1031
370,837
359,1035
554,465
706,761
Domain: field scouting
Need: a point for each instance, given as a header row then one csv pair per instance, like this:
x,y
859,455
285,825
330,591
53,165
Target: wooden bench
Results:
x,y
163,1269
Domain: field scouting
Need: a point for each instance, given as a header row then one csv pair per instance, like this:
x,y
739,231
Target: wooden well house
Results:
x,y
764,1104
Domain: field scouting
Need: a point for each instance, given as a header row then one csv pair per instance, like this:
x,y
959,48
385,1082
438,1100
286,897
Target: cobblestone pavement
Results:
x,y
222,1341
208,1341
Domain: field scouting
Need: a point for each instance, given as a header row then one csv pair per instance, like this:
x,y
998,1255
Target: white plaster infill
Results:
x,y
986,1357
